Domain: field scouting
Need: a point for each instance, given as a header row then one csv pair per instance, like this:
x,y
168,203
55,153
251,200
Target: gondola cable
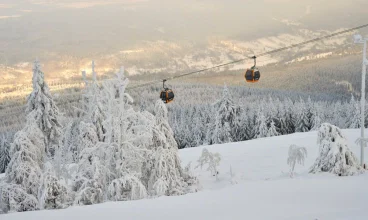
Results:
x,y
252,57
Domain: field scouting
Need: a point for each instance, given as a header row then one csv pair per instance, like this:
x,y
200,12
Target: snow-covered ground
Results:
x,y
264,189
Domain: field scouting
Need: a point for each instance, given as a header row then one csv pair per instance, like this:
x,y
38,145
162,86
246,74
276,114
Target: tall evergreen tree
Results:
x,y
261,125
272,131
4,153
24,171
354,117
225,119
167,177
46,113
94,105
303,121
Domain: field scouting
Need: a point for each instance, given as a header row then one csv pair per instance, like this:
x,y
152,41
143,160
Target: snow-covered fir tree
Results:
x,y
224,121
4,153
46,113
303,118
13,198
23,175
53,192
261,125
95,105
272,131
71,140
316,120
167,177
354,119
335,155
93,175
131,135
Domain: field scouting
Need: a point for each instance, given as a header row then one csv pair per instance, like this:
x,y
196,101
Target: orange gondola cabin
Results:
x,y
252,75
166,95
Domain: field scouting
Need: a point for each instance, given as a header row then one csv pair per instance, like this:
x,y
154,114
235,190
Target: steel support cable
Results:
x,y
252,57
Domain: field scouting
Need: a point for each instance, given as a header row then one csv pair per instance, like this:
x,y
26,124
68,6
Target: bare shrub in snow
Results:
x,y
211,159
296,155
334,154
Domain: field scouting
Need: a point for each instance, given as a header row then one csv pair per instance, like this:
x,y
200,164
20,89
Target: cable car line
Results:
x,y
251,75
253,57
186,74
313,40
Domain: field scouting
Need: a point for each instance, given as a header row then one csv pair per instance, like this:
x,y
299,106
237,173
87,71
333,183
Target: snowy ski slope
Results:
x,y
260,189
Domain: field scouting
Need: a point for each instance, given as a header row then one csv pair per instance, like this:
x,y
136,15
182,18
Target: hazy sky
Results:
x,y
81,27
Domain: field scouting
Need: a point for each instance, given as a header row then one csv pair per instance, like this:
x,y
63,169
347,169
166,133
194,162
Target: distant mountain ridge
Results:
x,y
152,57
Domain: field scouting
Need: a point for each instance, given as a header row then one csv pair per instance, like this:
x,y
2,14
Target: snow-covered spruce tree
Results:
x,y
94,157
71,140
225,119
316,120
95,105
46,113
243,127
354,117
87,137
167,177
250,127
210,126
261,128
53,192
132,157
93,174
13,198
296,155
198,131
303,117
131,132
23,173
289,117
4,153
334,154
272,131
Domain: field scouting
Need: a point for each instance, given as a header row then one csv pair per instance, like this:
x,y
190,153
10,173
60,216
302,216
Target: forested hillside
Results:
x,y
208,114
